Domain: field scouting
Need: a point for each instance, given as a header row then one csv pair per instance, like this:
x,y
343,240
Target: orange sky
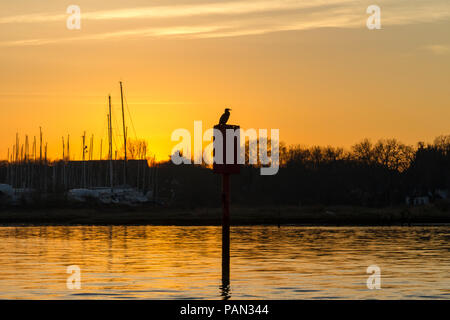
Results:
x,y
311,69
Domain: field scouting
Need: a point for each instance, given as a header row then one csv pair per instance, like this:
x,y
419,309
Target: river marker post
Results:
x,y
226,169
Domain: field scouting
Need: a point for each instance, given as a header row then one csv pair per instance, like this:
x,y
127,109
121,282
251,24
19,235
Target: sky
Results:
x,y
311,69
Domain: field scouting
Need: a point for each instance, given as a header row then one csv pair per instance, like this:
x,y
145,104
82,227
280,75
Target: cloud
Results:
x,y
438,49
237,18
216,8
146,32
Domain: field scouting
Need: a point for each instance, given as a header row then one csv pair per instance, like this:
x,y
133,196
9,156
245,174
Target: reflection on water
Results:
x,y
168,262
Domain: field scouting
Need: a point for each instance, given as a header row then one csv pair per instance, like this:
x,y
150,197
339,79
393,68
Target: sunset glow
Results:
x,y
278,64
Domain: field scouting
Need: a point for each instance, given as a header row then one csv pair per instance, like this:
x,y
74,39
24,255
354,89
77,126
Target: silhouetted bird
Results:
x,y
224,118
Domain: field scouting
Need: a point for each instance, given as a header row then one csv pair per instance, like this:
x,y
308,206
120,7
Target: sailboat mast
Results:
x,y
124,137
84,162
110,144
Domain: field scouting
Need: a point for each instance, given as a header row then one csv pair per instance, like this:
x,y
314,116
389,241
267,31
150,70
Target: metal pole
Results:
x,y
226,231
68,147
84,163
124,138
45,168
63,164
40,144
101,146
7,169
110,145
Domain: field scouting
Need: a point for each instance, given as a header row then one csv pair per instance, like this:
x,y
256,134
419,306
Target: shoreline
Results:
x,y
245,216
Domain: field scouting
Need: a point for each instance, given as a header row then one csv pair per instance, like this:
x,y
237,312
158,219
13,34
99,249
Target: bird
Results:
x,y
224,118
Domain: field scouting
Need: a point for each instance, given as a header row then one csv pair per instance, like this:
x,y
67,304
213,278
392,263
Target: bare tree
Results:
x,y
136,148
393,154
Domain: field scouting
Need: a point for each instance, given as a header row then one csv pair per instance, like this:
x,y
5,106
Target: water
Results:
x,y
168,262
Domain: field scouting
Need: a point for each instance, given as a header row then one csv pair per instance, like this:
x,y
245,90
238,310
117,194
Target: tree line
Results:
x,y
375,174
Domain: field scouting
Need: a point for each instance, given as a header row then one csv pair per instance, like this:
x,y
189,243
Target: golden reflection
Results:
x,y
185,262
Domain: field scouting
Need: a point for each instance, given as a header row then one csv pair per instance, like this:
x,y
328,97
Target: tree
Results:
x,y
363,151
136,148
393,154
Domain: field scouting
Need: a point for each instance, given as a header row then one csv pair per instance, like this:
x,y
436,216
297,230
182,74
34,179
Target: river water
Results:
x,y
173,262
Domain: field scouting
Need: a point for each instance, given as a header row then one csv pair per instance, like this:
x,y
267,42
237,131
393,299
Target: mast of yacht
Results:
x,y
110,144
124,138
83,157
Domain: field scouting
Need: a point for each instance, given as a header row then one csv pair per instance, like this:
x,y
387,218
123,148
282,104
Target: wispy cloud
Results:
x,y
239,18
145,32
217,8
438,49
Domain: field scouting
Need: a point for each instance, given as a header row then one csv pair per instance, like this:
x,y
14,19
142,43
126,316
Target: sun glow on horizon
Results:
x,y
311,69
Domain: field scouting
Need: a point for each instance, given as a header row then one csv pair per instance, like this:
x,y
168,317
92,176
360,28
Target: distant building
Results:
x,y
417,201
441,193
